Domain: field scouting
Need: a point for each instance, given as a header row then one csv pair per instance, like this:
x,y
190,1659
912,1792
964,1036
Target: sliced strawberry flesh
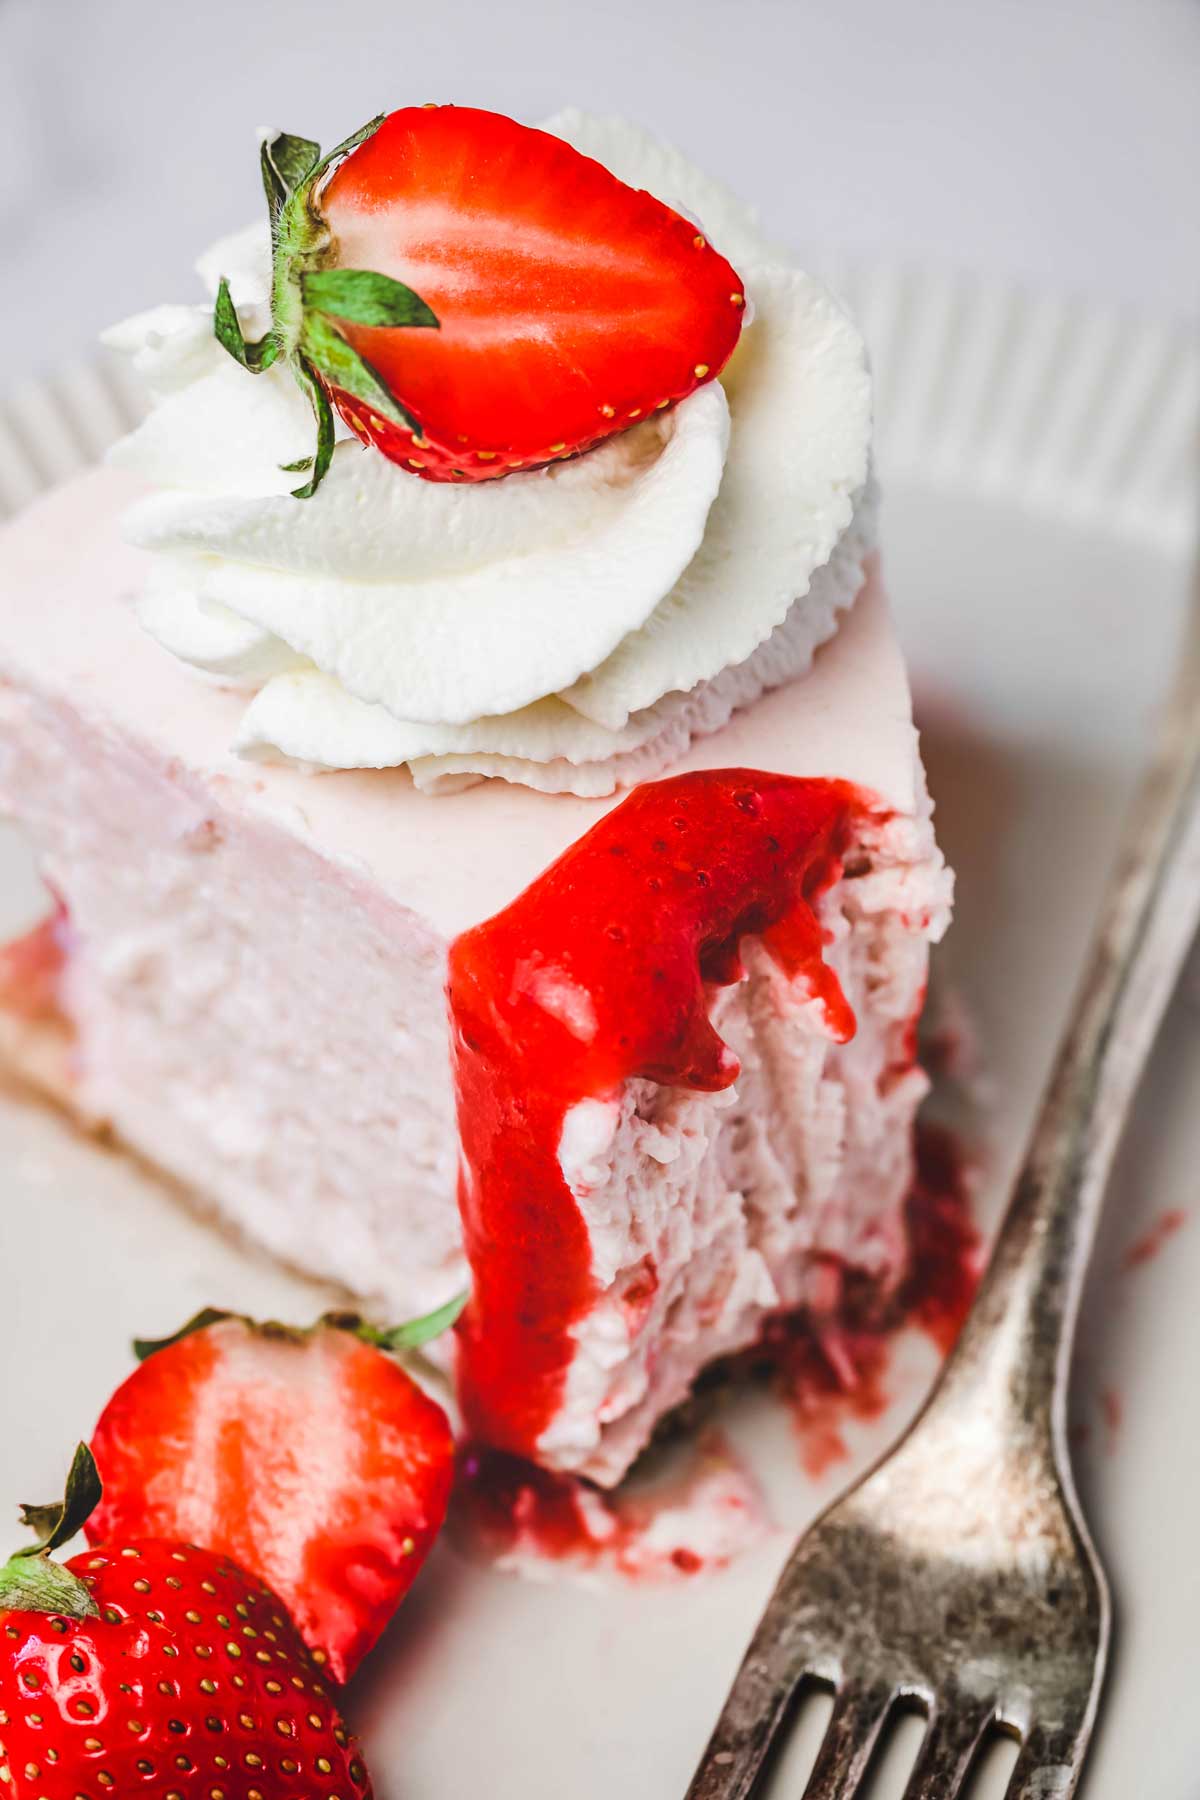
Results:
x,y
319,1464
569,304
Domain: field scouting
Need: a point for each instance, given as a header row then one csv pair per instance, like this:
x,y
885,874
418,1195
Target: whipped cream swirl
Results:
x,y
572,628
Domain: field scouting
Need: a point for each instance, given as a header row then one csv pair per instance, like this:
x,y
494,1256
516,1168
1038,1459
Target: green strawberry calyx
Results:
x,y
31,1581
412,1335
392,1339
310,297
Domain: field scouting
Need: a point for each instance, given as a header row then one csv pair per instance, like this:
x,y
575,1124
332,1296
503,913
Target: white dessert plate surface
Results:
x,y
1037,531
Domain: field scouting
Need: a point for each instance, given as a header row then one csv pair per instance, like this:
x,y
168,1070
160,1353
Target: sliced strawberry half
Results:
x,y
310,1457
569,305
559,305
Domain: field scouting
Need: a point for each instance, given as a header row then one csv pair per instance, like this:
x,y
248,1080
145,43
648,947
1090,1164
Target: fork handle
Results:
x,y
1015,1347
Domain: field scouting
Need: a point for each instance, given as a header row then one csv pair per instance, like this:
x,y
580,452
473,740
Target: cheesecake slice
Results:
x,y
251,993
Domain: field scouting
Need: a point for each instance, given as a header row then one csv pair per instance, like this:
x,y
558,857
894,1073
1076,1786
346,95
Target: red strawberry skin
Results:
x,y
192,1682
569,304
311,1458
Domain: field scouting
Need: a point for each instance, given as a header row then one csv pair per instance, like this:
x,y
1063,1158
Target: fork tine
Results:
x,y
854,1726
1049,1763
945,1756
757,1706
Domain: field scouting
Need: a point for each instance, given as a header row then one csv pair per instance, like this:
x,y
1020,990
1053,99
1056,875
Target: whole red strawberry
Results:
x,y
151,1667
308,1456
558,305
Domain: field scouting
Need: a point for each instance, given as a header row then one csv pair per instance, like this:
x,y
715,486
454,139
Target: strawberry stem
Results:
x,y
228,332
364,298
29,1580
58,1523
323,411
36,1584
286,161
409,1336
307,297
324,349
143,1348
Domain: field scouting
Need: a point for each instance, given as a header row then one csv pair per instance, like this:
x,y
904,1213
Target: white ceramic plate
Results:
x,y
1037,461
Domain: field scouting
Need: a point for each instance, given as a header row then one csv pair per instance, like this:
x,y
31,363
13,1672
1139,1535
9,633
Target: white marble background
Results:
x,y
1055,141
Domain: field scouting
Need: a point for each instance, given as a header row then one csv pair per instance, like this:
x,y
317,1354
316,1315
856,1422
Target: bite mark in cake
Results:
x,y
666,1104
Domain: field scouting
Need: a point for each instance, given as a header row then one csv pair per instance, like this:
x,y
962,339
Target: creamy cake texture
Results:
x,y
254,983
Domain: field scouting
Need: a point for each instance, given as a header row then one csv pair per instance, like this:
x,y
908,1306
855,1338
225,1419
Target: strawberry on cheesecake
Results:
x,y
598,517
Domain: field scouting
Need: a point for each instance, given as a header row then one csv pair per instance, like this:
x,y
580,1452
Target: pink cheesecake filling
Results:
x,y
255,991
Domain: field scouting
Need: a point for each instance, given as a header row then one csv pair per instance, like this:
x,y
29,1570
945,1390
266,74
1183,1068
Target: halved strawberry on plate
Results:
x,y
308,1456
476,296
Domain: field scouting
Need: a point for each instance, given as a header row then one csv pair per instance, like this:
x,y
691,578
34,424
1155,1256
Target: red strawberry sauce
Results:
x,y
1145,1248
700,1515
600,972
834,1368
31,966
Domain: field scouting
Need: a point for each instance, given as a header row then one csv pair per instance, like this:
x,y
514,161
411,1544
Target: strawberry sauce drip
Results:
x,y
601,972
834,1369
829,1375
31,967
1147,1247
945,1251
509,1511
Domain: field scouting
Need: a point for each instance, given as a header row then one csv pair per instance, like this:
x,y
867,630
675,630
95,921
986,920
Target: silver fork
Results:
x,y
959,1572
